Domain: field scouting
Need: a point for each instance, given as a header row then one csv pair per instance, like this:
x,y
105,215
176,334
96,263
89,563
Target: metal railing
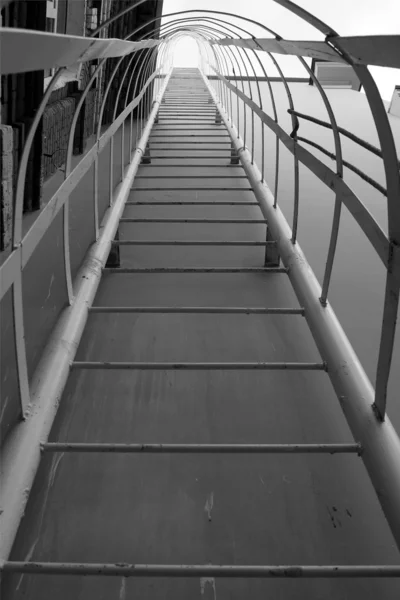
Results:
x,y
225,50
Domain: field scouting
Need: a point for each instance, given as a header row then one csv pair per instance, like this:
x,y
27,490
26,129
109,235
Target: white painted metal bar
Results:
x,y
312,49
237,571
192,189
191,243
200,366
20,349
192,143
203,448
188,156
56,50
206,310
190,177
194,203
192,165
208,221
150,270
379,50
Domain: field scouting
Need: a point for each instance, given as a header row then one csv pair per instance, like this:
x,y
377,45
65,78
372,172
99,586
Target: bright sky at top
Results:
x,y
347,17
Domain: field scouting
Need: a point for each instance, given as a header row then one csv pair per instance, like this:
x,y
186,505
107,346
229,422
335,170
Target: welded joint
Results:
x,y
323,302
377,413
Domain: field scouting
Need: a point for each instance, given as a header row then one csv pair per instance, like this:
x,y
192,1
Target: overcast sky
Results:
x,y
347,17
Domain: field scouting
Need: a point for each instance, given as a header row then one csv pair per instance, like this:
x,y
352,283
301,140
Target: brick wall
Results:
x,y
57,119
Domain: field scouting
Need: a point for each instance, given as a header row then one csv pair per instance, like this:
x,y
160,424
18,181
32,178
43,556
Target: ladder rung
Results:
x,y
189,135
190,243
167,128
208,221
186,119
204,448
228,142
254,571
201,366
191,165
123,270
196,111
229,310
191,176
202,157
192,189
188,203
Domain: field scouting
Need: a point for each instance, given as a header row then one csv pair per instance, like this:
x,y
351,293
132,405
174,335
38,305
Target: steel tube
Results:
x,y
208,221
189,243
254,571
124,270
203,448
380,442
201,366
230,310
192,189
194,203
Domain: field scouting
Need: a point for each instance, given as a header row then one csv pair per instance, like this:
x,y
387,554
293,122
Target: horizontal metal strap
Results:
x,y
123,270
314,49
203,448
254,571
208,221
188,203
229,310
190,243
201,366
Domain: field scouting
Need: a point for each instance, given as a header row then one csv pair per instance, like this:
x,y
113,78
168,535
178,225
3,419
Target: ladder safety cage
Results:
x,y
164,101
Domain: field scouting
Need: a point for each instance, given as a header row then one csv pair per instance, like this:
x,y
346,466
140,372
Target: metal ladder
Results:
x,y
204,142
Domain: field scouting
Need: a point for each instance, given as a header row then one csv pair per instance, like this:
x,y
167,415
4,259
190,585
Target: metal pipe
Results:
x,y
203,448
189,243
208,221
254,571
229,310
194,203
200,366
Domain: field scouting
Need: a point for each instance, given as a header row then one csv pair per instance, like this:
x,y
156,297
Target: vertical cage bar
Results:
x,y
18,322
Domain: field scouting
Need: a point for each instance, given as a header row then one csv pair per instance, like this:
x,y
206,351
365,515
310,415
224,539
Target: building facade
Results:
x,y
22,93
